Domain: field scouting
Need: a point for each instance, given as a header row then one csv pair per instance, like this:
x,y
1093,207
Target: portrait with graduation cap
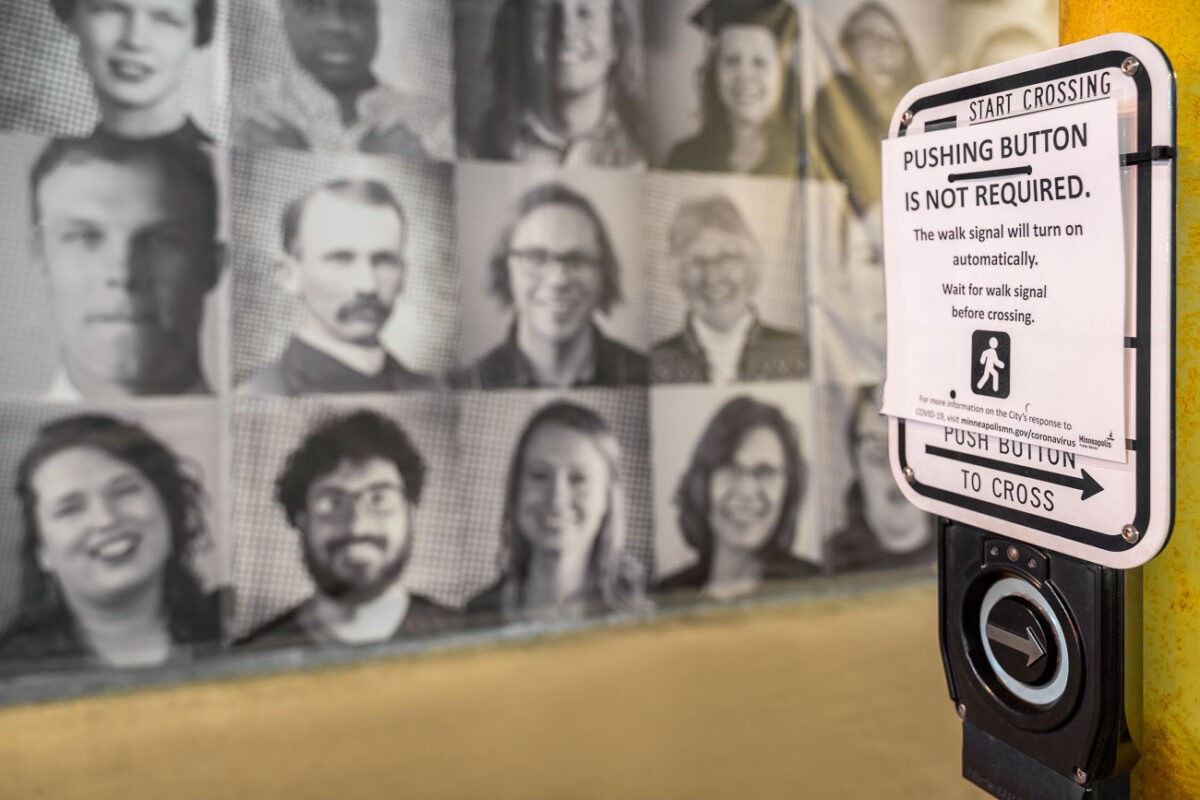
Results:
x,y
749,100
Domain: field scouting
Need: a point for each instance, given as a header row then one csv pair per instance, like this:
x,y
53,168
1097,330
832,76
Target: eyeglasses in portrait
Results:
x,y
552,289
734,494
869,61
727,286
346,512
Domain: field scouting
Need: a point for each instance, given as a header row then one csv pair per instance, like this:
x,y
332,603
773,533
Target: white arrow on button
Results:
x,y
1026,645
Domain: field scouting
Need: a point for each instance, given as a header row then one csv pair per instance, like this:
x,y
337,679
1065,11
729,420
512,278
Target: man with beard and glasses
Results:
x,y
330,99
349,489
343,246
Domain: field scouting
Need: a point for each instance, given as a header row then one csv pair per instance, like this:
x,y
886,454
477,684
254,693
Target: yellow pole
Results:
x,y
1170,765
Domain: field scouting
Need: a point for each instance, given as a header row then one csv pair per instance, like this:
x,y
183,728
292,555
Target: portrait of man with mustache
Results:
x,y
343,258
350,489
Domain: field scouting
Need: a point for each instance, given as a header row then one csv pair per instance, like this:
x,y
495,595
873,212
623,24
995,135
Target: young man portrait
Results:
x,y
328,95
126,234
349,490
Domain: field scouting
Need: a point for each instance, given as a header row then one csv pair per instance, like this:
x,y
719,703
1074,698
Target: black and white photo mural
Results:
x,y
341,323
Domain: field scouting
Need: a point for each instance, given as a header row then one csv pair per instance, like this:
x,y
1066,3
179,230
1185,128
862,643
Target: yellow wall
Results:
x,y
1170,766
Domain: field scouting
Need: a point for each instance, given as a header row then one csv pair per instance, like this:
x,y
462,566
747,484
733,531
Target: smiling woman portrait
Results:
x,y
566,85
110,518
136,53
739,502
749,99
563,528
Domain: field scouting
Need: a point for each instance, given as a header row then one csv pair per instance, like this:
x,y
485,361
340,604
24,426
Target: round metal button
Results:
x,y
1023,641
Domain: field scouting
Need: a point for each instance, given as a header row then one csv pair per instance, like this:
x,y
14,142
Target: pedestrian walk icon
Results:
x,y
990,363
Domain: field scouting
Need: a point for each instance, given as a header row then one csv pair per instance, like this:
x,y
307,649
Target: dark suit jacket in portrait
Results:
x,y
424,617
303,369
769,354
507,366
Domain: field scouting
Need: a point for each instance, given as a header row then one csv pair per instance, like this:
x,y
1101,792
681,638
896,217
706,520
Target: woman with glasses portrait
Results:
x,y
719,266
739,502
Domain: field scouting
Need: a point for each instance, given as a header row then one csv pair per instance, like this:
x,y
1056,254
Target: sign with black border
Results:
x,y
1113,514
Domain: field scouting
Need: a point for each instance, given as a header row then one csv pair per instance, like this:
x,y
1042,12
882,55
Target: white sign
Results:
x,y
1033,481
1105,319
1005,263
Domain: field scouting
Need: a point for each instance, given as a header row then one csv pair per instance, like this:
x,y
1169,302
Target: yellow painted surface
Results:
x,y
833,698
1170,766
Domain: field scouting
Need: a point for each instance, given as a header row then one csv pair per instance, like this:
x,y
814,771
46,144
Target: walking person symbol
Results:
x,y
991,363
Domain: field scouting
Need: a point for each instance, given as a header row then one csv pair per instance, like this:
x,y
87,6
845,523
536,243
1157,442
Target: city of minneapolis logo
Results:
x,y
1092,443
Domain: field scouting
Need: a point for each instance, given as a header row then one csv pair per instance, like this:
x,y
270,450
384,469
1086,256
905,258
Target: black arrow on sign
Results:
x,y
1085,483
1026,645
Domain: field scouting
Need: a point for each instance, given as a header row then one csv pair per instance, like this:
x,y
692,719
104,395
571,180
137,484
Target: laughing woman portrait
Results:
x,y
110,517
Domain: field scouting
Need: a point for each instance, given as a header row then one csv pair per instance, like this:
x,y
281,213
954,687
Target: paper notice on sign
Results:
x,y
1004,253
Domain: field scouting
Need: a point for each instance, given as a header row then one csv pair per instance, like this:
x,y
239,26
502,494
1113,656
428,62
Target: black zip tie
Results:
x,y
1160,152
